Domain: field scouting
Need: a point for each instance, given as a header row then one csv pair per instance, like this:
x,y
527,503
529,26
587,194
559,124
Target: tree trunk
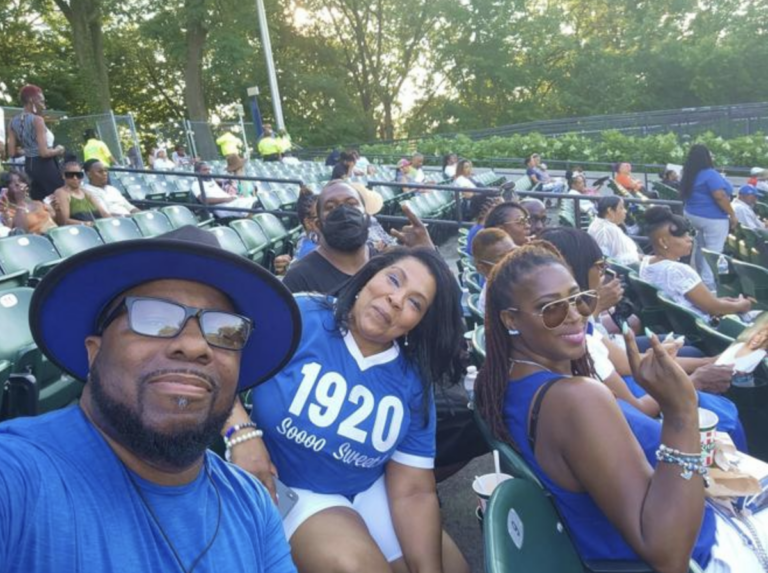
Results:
x,y
84,17
194,94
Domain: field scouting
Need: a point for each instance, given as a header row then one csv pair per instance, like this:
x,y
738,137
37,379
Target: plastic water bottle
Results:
x,y
469,384
465,302
722,265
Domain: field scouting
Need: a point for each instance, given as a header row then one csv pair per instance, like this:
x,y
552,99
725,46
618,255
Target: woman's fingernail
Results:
x,y
624,328
648,332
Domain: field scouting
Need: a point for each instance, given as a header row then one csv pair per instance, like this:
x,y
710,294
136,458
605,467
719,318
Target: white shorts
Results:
x,y
372,505
730,554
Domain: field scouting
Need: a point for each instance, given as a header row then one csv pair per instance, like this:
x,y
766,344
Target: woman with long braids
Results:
x,y
591,452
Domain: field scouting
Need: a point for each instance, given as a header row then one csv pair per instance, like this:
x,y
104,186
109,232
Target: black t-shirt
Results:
x,y
313,273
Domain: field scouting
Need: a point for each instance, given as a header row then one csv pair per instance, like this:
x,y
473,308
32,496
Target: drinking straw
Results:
x,y
497,466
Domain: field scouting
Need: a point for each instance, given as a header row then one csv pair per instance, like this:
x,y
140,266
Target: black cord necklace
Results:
x,y
154,517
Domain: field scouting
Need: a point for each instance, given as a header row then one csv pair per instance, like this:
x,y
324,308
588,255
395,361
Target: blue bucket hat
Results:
x,y
747,190
67,302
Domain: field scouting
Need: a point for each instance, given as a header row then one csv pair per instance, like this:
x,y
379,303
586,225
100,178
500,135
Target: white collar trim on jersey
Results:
x,y
377,359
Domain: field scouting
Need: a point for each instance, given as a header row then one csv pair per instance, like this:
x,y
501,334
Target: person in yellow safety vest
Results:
x,y
229,144
284,141
96,149
269,146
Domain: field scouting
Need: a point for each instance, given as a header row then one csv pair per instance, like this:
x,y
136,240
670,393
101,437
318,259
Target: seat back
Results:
x,y
651,310
269,200
25,253
117,229
682,319
523,532
73,239
152,223
229,240
713,341
754,282
731,326
727,282
254,237
478,343
276,232
14,316
179,216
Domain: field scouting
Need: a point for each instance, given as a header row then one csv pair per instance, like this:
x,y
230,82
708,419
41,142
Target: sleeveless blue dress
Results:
x,y
594,536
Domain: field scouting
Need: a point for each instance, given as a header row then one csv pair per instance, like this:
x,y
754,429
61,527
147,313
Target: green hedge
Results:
x,y
609,146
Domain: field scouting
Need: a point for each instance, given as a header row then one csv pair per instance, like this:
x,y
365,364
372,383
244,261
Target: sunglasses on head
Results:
x,y
555,313
680,231
71,174
159,318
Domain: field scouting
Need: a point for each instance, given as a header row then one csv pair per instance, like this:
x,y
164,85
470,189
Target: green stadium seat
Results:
x,y
152,223
279,236
256,240
754,282
116,229
731,326
523,532
478,344
51,389
651,310
179,215
511,461
13,280
727,283
73,239
269,201
31,253
474,308
229,240
713,341
683,320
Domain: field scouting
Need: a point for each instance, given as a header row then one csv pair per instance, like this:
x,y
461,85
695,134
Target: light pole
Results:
x,y
267,45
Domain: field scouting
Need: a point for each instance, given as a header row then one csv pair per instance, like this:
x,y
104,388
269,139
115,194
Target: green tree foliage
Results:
x,y
353,71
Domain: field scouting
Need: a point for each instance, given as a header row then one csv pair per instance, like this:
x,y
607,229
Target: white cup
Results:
x,y
484,485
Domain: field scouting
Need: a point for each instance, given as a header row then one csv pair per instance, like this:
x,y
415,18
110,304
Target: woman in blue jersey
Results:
x,y
594,454
349,424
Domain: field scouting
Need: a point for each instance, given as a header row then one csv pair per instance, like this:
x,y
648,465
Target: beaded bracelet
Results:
x,y
237,428
244,438
691,463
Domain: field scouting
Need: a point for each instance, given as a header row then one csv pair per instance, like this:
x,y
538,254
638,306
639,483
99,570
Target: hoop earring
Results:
x,y
513,332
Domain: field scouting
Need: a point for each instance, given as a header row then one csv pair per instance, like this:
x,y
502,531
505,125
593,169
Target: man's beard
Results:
x,y
178,449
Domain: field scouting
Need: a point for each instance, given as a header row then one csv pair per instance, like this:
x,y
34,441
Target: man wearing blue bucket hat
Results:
x,y
744,207
165,332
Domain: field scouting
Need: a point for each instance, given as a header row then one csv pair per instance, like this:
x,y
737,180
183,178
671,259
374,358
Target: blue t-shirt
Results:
x,y
304,247
541,177
67,504
332,418
474,230
701,203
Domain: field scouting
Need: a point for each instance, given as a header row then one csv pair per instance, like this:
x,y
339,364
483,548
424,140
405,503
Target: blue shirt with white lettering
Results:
x,y
701,203
332,418
67,504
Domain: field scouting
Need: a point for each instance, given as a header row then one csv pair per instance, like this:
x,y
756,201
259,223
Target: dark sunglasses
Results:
x,y
554,313
161,318
71,174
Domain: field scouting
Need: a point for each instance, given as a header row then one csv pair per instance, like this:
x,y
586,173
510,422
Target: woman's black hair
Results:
x,y
460,166
447,158
434,345
340,170
90,163
5,177
660,216
699,158
605,203
493,378
480,203
579,249
499,214
307,200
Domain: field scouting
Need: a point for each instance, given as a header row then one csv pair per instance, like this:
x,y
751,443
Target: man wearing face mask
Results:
x,y
343,222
